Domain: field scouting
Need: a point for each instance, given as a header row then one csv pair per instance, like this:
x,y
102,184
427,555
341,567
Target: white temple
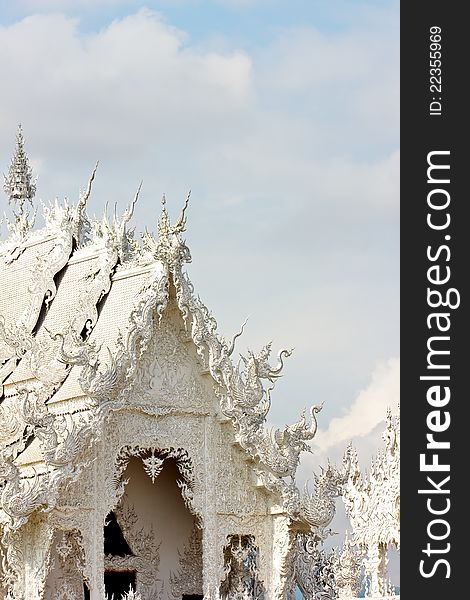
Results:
x,y
135,461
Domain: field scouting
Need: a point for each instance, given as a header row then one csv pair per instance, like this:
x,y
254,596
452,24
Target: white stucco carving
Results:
x,y
372,504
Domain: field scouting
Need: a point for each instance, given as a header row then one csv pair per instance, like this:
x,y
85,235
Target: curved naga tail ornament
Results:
x,y
247,402
280,450
19,497
318,508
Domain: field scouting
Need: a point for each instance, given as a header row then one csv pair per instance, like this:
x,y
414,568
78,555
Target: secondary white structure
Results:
x,y
134,455
373,506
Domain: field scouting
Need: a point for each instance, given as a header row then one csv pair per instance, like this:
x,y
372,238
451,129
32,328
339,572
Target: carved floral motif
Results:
x,y
188,579
241,580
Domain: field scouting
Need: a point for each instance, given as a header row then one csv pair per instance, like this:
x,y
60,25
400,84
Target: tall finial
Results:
x,y
164,227
19,184
170,248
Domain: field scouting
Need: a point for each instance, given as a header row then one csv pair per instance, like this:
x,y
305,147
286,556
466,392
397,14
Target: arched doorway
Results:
x,y
152,543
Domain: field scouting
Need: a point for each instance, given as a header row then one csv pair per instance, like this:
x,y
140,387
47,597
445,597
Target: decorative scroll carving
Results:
x,y
153,465
67,570
318,508
373,506
188,579
240,499
185,483
145,556
20,188
314,570
241,580
310,569
168,378
347,570
19,497
169,249
13,561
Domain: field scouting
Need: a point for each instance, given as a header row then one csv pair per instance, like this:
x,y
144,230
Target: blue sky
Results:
x,y
244,21
282,117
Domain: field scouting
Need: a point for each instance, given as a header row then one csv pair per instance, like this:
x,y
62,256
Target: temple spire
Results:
x,y
19,184
170,247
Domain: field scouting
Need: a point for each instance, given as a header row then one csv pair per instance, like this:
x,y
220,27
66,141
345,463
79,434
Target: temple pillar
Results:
x,y
95,558
281,547
212,554
376,570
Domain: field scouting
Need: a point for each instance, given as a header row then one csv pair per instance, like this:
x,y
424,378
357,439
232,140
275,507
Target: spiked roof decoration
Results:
x,y
19,184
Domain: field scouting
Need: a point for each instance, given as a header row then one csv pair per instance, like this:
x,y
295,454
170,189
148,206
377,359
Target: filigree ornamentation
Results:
x,y
347,570
242,499
19,497
186,482
188,579
310,569
280,451
318,508
20,188
241,580
373,505
12,561
145,556
67,574
153,465
64,547
168,378
169,249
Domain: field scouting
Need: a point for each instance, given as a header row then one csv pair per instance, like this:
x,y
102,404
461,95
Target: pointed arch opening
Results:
x,y
153,541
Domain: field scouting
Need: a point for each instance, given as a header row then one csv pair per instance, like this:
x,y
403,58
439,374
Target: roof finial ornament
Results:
x,y
163,226
20,186
169,248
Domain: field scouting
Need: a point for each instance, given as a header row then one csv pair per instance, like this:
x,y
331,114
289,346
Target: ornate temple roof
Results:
x,y
79,299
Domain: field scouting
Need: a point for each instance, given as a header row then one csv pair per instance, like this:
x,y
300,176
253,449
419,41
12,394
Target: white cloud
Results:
x,y
118,87
368,409
295,181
